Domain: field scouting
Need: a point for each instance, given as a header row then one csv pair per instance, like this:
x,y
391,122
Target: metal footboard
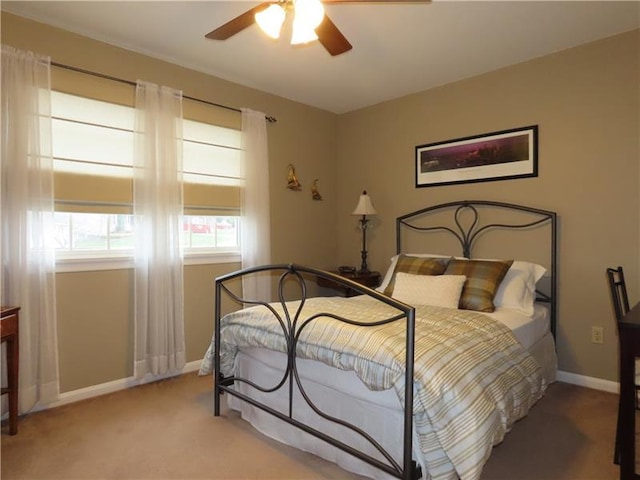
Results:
x,y
292,326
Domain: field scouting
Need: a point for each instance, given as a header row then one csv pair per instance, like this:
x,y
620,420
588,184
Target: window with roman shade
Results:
x,y
93,161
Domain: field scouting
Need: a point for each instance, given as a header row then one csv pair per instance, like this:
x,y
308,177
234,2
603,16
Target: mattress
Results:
x,y
343,394
528,330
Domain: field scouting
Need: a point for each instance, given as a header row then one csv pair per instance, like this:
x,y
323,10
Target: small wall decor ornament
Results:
x,y
315,194
292,180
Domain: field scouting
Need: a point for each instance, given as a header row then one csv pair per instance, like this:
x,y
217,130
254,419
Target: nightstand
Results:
x,y
371,280
9,332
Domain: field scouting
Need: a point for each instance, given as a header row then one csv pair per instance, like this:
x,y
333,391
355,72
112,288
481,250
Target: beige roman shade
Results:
x,y
99,193
92,194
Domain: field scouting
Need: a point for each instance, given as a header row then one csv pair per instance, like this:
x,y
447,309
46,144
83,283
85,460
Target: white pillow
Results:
x,y
517,290
437,290
389,275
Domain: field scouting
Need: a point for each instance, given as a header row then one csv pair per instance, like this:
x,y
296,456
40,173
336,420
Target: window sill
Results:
x,y
123,262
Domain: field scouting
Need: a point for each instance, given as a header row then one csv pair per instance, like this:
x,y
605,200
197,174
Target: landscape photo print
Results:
x,y
499,155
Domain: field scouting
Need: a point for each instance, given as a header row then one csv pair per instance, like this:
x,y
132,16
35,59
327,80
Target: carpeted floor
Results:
x,y
166,430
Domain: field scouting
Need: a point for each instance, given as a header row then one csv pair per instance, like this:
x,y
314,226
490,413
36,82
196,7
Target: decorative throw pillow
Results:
x,y
416,266
437,290
483,280
392,266
518,288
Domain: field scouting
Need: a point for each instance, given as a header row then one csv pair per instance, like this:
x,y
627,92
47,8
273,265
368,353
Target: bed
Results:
x,y
418,378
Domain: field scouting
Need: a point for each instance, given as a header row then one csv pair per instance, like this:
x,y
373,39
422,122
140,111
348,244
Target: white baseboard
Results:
x,y
124,383
589,382
110,387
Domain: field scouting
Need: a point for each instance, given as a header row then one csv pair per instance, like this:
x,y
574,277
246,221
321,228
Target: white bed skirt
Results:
x,y
343,395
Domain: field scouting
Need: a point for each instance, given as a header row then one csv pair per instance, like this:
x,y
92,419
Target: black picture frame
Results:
x,y
502,155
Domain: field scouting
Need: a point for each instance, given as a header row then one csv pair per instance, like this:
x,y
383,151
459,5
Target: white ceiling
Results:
x,y
397,48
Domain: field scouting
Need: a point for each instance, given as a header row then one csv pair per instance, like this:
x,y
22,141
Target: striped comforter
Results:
x,y
473,379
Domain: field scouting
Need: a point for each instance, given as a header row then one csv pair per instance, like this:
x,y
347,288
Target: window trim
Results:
x,y
124,262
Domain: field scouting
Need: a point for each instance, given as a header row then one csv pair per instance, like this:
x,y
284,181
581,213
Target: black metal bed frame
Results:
x,y
292,326
467,235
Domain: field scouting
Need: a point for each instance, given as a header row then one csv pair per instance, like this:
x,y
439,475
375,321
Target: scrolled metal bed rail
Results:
x,y
292,327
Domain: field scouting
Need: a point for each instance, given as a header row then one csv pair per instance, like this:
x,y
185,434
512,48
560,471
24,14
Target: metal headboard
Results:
x,y
467,234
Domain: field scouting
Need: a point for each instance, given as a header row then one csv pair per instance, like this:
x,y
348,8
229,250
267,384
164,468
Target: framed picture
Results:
x,y
492,156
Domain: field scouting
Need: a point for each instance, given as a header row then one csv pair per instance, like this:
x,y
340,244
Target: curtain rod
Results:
x,y
269,118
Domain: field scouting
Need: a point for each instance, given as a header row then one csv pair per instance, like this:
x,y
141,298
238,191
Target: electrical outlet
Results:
x,y
597,335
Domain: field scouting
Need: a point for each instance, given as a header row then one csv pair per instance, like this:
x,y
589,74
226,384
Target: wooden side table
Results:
x,y
9,334
370,279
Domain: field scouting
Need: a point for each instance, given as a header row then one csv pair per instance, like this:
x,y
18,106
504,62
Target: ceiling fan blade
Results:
x,y
237,24
331,38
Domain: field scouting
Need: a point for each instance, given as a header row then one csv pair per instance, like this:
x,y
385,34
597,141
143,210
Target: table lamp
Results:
x,y
364,208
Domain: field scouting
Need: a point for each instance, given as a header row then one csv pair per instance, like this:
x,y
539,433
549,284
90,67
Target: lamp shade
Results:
x,y
271,20
365,206
308,15
302,34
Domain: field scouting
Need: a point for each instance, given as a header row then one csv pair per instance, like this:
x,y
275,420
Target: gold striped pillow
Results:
x,y
416,266
483,280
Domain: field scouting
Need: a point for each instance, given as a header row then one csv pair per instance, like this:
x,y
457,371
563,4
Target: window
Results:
x,y
207,231
93,159
93,232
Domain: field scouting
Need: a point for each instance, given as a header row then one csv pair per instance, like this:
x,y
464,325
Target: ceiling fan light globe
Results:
x,y
302,34
308,15
311,12
270,20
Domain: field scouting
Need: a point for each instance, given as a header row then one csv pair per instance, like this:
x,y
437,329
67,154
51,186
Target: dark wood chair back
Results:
x,y
618,289
620,300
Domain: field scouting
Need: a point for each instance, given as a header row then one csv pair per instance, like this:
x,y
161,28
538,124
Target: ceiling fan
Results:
x,y
309,23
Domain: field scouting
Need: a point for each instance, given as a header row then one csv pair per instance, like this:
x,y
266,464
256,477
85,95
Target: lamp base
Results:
x,y
364,268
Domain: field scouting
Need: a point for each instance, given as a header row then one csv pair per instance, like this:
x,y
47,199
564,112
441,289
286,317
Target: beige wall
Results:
x,y
586,103
95,332
95,308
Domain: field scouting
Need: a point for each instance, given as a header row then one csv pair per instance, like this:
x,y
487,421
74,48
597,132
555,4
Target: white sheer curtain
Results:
x,y
256,217
159,296
28,258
